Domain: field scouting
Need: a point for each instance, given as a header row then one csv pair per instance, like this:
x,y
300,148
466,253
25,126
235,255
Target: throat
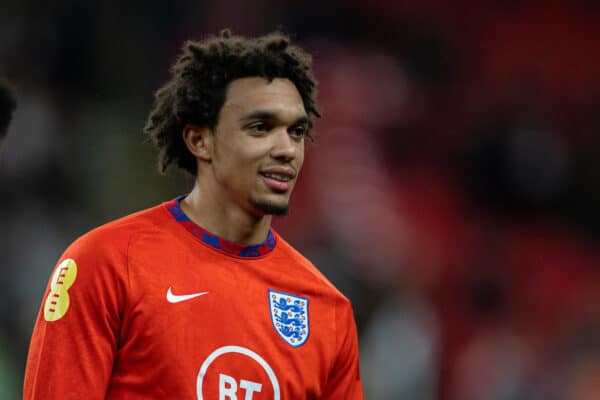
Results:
x,y
229,223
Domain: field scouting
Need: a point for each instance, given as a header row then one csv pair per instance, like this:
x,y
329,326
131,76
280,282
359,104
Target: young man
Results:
x,y
199,298
8,103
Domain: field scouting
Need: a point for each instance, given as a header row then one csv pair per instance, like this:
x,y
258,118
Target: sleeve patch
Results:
x,y
57,302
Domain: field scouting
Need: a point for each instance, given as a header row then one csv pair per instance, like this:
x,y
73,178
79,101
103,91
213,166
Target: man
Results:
x,y
199,298
8,103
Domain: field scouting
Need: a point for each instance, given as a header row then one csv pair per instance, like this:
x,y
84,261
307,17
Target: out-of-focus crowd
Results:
x,y
452,193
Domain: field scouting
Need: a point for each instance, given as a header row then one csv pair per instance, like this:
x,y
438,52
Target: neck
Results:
x,y
226,220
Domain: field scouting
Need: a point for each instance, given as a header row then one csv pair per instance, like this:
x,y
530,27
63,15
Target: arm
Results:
x,y
344,379
75,337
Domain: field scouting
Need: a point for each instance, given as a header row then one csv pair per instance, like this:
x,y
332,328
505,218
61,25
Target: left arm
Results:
x,y
344,378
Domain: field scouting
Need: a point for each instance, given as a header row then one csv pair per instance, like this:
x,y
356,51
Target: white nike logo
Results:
x,y
173,298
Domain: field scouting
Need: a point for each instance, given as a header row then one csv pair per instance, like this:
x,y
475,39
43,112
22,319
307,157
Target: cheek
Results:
x,y
300,157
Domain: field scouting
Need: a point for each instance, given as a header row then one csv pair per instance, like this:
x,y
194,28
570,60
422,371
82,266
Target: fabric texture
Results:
x,y
142,308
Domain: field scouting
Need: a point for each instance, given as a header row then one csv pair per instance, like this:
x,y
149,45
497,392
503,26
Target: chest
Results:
x,y
228,329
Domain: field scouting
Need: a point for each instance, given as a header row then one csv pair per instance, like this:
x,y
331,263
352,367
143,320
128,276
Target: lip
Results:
x,y
288,172
275,184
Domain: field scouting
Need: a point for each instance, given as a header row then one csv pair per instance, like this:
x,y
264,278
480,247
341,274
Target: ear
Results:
x,y
199,141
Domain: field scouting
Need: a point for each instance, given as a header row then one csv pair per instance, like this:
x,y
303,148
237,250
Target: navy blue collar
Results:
x,y
226,246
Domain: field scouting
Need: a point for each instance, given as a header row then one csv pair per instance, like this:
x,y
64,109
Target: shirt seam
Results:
x,y
128,290
336,345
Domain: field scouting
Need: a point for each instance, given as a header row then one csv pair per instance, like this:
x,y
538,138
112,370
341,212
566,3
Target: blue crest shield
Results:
x,y
289,314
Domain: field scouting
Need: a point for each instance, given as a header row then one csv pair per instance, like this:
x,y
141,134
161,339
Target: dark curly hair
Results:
x,y
8,103
200,76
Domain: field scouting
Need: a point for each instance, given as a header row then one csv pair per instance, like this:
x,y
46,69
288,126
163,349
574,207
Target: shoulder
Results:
x,y
115,237
312,273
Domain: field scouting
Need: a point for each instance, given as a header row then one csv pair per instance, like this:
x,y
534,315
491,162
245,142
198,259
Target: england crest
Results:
x,y
289,314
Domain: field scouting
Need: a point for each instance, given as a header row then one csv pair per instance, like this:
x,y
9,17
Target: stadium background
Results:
x,y
452,193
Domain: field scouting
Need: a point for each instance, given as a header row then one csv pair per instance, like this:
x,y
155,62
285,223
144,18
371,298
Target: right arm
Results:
x,y
76,334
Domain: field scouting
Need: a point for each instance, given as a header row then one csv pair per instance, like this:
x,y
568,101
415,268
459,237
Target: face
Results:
x,y
258,144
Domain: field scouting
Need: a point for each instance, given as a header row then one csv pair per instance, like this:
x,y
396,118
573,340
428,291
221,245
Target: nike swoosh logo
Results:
x,y
173,298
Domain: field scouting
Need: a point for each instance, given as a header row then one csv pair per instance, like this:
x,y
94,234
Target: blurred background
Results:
x,y
452,193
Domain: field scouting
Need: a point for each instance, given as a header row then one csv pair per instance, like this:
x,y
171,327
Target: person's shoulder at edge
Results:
x,y
117,233
310,268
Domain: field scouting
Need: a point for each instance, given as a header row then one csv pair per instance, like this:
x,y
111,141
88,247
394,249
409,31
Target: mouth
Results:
x,y
279,179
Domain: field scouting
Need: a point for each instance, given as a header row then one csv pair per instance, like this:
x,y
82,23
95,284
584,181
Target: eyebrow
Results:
x,y
269,115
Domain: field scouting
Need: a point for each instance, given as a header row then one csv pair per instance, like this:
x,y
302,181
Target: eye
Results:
x,y
299,131
259,127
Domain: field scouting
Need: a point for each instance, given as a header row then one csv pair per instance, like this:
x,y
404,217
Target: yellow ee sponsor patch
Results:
x,y
57,302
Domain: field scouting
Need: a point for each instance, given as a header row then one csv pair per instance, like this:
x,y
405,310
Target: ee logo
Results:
x,y
57,302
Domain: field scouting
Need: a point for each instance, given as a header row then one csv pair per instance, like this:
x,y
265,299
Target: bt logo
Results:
x,y
230,388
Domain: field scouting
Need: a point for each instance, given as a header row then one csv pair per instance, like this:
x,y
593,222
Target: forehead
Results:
x,y
279,96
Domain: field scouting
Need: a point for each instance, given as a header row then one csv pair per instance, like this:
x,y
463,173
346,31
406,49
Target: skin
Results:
x,y
261,128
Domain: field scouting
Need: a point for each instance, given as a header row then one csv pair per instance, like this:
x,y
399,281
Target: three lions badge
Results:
x,y
289,314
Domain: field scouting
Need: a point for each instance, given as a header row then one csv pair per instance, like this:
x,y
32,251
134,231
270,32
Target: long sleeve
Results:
x,y
76,334
344,380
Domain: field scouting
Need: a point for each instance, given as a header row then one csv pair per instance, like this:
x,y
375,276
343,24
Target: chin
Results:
x,y
270,207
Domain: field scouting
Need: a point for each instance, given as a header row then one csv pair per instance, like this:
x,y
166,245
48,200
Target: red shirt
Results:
x,y
152,306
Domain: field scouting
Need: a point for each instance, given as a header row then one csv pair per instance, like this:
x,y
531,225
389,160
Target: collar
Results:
x,y
216,242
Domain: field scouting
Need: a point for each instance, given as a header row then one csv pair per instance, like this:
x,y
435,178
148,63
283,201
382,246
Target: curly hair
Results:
x,y
199,80
8,103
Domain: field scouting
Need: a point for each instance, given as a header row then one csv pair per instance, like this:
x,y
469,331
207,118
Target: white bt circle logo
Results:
x,y
232,388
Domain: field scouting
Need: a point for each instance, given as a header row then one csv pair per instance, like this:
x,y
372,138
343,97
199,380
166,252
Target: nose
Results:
x,y
284,147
